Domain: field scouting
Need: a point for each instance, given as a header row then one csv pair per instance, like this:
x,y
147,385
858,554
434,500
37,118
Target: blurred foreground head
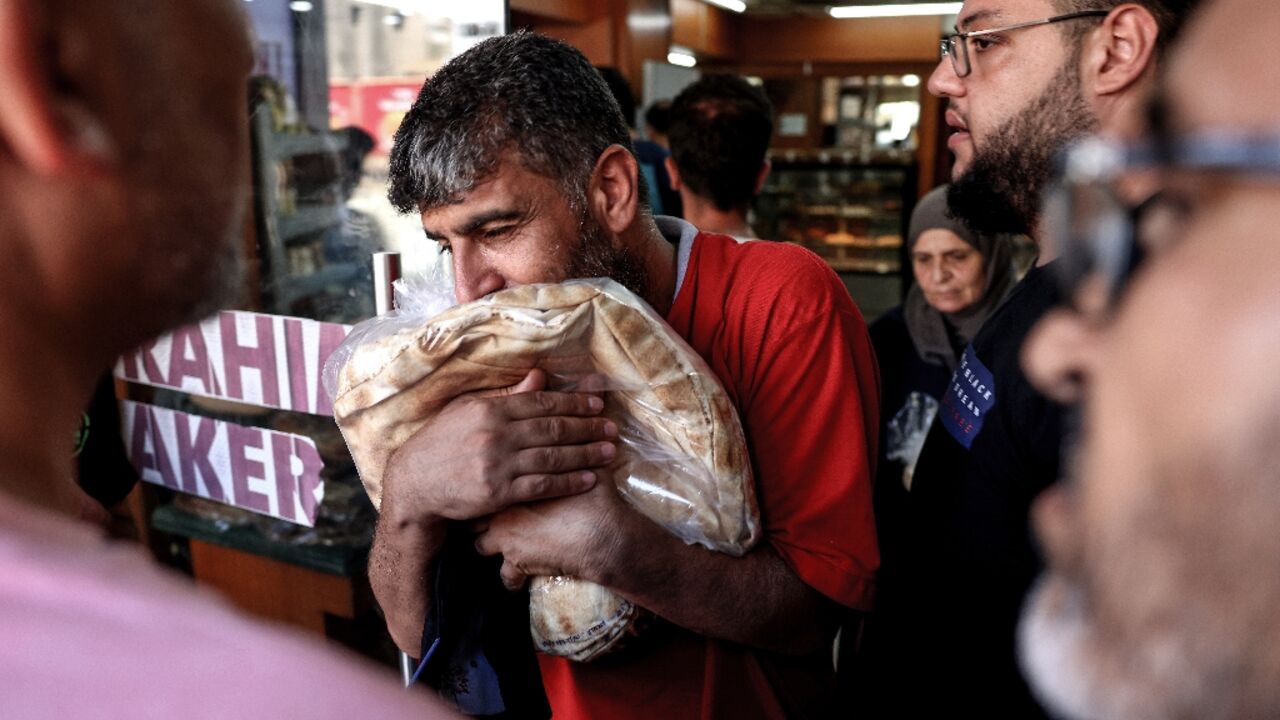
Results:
x,y
1163,599
123,163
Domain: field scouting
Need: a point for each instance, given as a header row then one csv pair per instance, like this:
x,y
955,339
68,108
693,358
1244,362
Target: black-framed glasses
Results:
x,y
959,52
1100,228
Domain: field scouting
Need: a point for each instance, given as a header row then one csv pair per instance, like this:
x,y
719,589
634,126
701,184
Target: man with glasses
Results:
x,y
1022,80
1162,599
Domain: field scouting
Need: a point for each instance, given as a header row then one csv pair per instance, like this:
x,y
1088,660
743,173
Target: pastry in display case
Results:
x,y
852,215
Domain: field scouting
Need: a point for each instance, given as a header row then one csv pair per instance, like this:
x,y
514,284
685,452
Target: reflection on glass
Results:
x,y
332,82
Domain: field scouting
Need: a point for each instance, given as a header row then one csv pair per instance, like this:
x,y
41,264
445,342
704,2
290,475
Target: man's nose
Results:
x,y
472,277
1061,354
944,82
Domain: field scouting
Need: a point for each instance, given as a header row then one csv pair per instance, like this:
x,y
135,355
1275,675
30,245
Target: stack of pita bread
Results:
x,y
682,459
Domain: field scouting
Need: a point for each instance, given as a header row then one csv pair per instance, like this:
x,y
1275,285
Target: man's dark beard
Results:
x,y
595,256
1000,192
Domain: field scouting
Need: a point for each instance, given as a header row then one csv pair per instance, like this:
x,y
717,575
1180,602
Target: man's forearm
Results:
x,y
754,600
400,572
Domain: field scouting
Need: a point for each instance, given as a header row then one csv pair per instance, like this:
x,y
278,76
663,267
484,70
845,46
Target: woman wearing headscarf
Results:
x,y
961,278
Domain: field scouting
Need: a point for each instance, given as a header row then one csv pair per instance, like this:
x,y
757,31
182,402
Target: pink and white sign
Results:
x,y
269,472
265,360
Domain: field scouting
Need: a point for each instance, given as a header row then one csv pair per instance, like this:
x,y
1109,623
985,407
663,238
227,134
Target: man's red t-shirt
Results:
x,y
790,347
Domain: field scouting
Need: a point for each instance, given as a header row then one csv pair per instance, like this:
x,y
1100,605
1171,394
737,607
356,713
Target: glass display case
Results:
x,y
852,215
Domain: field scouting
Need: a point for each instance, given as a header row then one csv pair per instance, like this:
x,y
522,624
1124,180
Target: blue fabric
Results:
x,y
651,179
479,652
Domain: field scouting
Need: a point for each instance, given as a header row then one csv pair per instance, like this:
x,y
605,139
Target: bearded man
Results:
x,y
518,161
1021,79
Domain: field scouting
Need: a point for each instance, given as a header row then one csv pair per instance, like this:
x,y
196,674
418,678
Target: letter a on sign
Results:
x,y
268,472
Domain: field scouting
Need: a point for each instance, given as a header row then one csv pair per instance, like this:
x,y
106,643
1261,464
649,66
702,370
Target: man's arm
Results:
x,y
401,564
754,600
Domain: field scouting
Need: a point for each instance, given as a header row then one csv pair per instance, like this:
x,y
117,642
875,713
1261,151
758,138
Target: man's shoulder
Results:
x,y
1002,334
764,263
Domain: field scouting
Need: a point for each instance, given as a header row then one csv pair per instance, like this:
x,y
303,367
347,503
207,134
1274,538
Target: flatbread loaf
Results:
x,y
682,458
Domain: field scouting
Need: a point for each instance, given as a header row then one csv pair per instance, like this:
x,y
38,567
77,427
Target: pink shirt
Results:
x,y
93,629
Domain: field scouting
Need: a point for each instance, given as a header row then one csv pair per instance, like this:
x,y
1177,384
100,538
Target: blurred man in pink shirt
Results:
x,y
123,160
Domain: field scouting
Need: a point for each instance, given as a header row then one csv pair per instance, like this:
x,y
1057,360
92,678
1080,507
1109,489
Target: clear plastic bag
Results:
x,y
907,432
682,462
682,459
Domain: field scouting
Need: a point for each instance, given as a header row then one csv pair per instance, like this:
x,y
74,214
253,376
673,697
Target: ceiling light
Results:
x,y
649,22
681,57
734,5
300,6
878,11
911,80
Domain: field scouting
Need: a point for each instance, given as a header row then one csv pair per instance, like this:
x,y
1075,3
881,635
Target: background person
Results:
x,y
663,198
721,126
657,122
961,278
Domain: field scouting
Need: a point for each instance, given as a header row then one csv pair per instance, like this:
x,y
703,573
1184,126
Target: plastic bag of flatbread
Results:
x,y
682,458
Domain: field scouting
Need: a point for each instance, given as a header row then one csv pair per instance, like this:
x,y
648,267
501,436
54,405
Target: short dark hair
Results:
x,y
622,92
524,93
720,131
658,116
1170,15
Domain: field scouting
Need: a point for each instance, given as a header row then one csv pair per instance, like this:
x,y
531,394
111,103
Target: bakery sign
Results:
x,y
249,358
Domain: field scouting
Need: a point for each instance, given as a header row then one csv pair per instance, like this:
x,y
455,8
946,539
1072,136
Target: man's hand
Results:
x,y
482,454
754,600
578,536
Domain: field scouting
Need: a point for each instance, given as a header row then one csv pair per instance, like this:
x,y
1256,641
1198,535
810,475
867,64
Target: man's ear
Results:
x,y
46,129
1122,49
613,193
763,175
673,172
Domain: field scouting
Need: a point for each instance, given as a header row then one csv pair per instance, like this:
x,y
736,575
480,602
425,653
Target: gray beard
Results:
x,y
1001,190
1084,673
596,256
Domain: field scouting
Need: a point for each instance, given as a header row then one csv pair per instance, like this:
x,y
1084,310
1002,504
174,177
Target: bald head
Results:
x,y
123,160
1220,75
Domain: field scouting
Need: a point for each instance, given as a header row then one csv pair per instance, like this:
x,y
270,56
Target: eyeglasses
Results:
x,y
1099,232
959,51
